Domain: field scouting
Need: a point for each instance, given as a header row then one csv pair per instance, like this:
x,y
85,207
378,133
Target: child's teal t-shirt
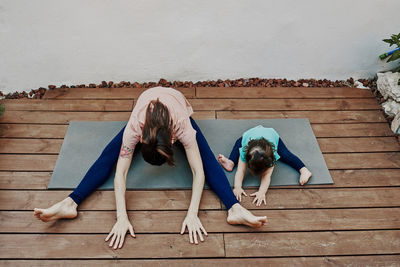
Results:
x,y
256,133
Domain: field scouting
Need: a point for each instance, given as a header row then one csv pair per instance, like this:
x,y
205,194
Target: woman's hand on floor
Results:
x,y
118,232
194,226
238,193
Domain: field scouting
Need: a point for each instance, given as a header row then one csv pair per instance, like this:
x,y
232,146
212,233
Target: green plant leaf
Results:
x,y
396,39
394,56
389,41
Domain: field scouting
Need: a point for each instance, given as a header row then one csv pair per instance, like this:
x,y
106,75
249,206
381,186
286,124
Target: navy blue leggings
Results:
x,y
285,155
101,169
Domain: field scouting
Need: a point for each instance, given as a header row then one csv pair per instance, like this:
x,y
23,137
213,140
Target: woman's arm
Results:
x,y
192,221
122,225
262,190
239,175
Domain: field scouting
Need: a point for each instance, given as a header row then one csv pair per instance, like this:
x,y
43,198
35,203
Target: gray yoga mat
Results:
x,y
85,141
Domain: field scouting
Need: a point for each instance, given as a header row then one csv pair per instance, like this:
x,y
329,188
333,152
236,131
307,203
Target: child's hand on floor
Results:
x,y
259,198
238,193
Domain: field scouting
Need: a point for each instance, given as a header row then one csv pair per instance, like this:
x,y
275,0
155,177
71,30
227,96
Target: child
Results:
x,y
259,148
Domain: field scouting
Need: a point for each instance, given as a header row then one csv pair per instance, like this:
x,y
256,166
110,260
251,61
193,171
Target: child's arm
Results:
x,y
239,175
262,191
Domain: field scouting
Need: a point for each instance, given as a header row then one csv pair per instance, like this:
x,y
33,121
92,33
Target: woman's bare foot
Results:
x,y
239,215
63,209
226,163
305,175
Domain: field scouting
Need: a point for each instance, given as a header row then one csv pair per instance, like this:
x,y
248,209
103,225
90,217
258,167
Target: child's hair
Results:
x,y
259,155
157,134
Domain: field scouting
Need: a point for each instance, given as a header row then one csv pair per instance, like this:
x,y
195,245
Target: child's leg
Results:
x,y
100,170
213,172
288,157
293,161
232,161
234,156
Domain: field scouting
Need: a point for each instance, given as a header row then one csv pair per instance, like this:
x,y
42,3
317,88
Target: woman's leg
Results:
x,y
100,170
294,162
218,182
95,176
214,174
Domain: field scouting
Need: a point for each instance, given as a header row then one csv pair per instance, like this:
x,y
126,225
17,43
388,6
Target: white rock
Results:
x,y
391,107
360,85
387,84
396,124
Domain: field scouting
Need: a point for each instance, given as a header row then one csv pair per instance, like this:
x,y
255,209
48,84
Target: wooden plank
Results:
x,y
367,144
363,160
320,130
285,104
93,246
365,178
312,243
313,116
24,180
32,131
27,162
281,92
339,161
326,198
104,93
371,261
28,146
327,145
213,221
341,178
59,117
105,200
307,198
69,105
351,130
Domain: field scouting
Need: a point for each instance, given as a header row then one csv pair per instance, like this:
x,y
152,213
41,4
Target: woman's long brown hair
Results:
x,y
157,135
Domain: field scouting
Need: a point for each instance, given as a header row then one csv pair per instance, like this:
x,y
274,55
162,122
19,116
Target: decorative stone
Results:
x,y
360,85
396,124
391,107
387,84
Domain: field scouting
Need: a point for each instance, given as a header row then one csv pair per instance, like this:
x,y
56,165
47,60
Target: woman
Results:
x,y
160,117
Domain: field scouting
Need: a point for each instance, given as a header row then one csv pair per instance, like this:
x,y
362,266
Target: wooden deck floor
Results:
x,y
354,222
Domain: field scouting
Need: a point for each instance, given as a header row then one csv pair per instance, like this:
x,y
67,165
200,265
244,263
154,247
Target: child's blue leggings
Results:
x,y
285,155
101,169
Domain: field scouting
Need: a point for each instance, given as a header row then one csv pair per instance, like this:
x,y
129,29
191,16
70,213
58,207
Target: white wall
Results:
x,y
82,41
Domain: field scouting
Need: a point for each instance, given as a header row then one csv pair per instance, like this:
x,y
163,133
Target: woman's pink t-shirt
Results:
x,y
179,108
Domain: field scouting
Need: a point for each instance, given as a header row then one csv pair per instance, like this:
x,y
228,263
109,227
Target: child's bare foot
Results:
x,y
239,215
63,209
225,162
305,175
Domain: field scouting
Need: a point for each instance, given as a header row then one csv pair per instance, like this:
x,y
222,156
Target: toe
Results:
x,y
43,218
262,219
37,211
